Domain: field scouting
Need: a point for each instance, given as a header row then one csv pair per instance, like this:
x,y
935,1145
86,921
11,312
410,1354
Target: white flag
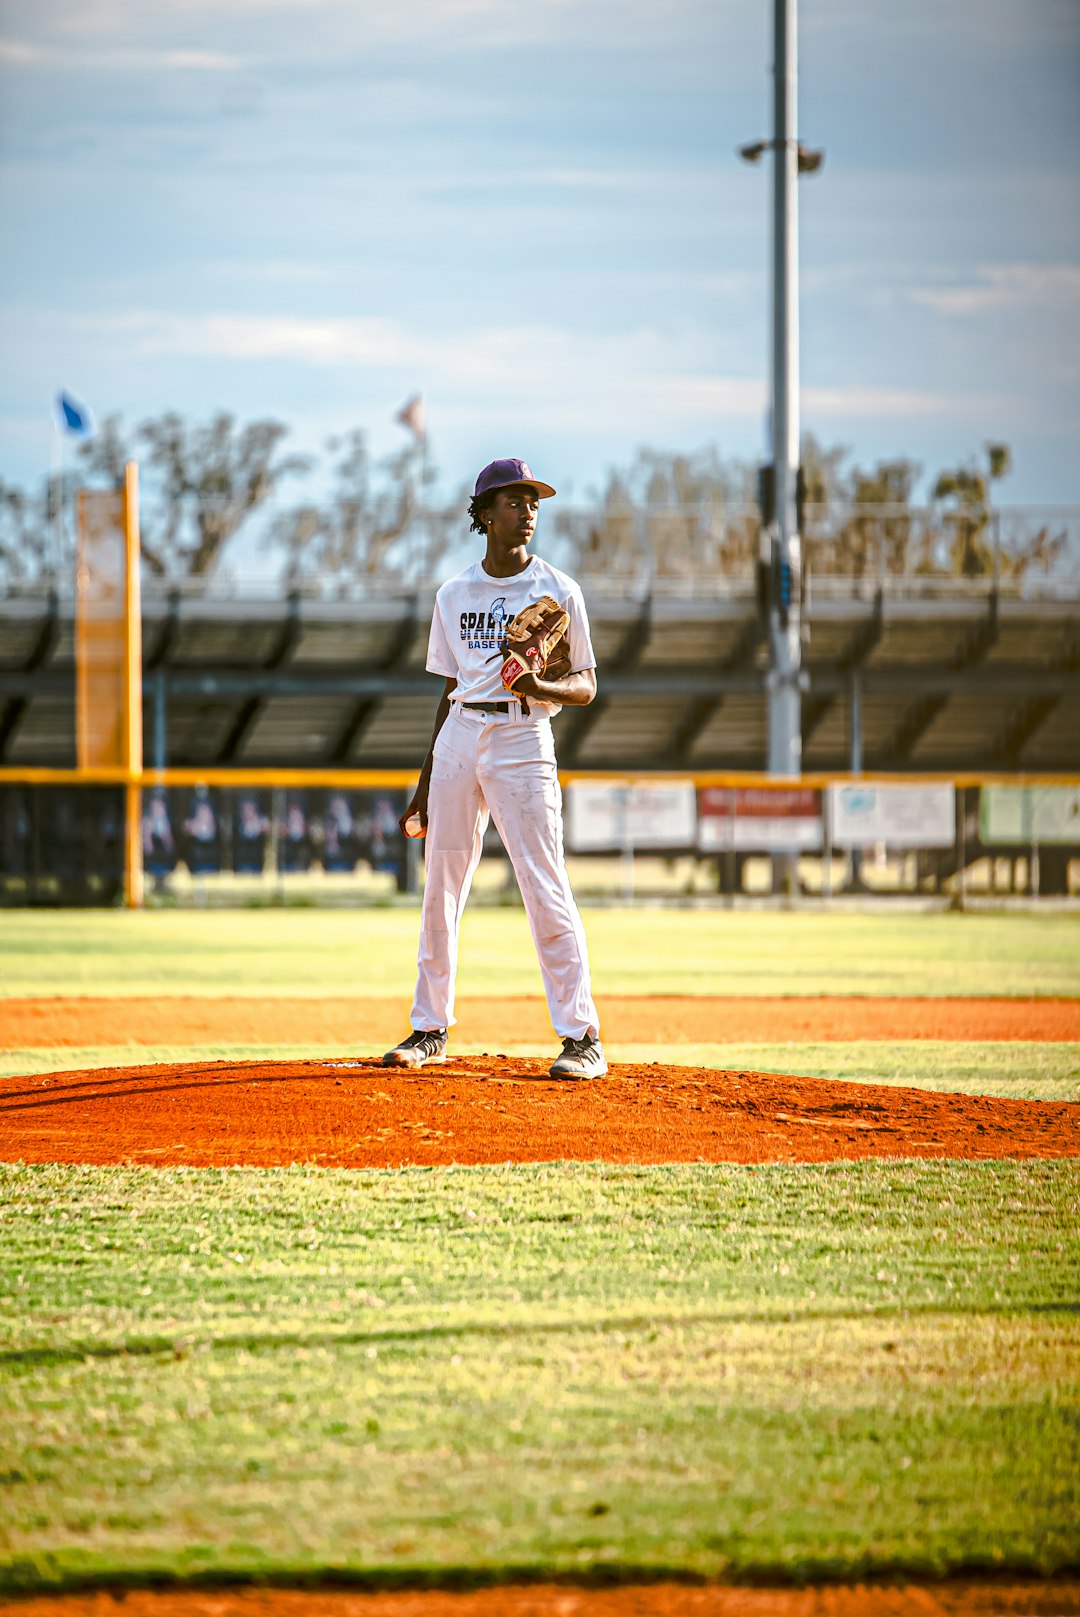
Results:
x,y
413,415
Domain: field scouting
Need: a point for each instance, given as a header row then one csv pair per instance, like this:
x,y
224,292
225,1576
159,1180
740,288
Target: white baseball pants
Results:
x,y
503,765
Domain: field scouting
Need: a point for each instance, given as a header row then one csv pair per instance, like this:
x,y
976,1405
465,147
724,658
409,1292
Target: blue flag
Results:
x,y
73,417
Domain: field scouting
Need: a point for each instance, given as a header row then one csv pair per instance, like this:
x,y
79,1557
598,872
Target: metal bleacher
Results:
x,y
942,674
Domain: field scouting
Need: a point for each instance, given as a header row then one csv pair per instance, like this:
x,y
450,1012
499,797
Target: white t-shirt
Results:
x,y
471,612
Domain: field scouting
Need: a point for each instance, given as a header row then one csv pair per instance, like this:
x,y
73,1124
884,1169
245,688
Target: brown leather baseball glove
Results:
x,y
535,642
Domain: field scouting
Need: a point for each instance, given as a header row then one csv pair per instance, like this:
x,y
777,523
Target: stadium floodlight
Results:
x,y
806,160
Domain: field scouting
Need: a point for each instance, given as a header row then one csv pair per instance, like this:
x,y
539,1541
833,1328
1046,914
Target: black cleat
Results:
x,y
420,1049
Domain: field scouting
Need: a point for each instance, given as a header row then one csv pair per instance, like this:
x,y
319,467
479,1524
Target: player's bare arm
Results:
x,y
419,803
573,690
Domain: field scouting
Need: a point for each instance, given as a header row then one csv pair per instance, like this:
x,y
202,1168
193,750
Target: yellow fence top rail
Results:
x,y
382,779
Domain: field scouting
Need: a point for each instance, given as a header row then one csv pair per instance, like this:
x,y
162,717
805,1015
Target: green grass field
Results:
x,y
463,1375
657,951
483,1373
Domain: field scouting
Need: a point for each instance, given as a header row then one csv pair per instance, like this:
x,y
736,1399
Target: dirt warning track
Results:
x,y
359,1114
959,1599
356,1022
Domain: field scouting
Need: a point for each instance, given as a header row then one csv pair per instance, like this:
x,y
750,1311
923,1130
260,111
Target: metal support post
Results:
x,y
855,762
785,636
132,728
785,640
277,823
161,747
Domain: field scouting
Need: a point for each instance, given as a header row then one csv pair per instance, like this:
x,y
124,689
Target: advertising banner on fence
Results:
x,y
895,816
100,604
601,817
1027,814
759,819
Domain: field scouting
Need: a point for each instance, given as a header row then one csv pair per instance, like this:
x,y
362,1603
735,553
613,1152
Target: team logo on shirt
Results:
x,y
482,631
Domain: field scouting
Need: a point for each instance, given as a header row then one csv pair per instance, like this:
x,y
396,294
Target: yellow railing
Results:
x,y
380,779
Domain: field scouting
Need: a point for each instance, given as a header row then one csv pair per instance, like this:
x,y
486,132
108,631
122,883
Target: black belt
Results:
x,y
488,707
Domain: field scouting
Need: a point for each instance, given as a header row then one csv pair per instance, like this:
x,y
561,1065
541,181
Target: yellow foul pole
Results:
x,y
133,720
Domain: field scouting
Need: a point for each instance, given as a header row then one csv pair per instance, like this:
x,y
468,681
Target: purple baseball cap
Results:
x,y
505,473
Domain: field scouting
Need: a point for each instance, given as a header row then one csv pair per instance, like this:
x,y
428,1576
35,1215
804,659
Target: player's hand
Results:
x,y
417,806
548,686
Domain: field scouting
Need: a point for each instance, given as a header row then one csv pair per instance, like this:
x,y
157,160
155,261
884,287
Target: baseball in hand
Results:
x,y
413,827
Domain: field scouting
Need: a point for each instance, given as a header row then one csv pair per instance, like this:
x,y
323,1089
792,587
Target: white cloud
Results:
x,y
367,24
635,377
890,402
573,179
118,59
478,354
275,270
263,337
196,61
642,369
720,396
998,25
1004,286
19,52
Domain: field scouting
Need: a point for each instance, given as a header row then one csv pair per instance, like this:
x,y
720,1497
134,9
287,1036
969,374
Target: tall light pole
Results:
x,y
789,160
785,643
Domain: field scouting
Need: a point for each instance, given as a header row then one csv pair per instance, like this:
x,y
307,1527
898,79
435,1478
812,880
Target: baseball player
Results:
x,y
510,636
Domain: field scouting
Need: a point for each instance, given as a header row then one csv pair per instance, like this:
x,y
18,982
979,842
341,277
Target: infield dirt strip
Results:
x,y
654,1019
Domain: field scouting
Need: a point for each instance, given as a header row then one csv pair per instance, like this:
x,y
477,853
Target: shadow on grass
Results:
x,y
180,1344
24,1576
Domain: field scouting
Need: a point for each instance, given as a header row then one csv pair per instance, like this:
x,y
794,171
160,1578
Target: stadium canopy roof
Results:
x,y
950,680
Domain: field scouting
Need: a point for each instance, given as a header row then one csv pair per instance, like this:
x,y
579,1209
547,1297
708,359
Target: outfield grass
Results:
x,y
1019,1071
783,1372
642,951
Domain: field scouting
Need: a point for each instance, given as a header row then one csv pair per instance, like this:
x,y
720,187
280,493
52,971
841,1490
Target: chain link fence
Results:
x,y
651,840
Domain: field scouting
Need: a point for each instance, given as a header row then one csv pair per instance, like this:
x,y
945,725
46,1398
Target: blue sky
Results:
x,y
532,212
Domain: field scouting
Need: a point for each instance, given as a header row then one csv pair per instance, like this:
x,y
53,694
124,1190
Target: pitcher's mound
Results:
x,y
359,1114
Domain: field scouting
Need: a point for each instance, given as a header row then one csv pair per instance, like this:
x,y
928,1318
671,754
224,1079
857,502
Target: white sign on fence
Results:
x,y
602,817
1027,814
861,816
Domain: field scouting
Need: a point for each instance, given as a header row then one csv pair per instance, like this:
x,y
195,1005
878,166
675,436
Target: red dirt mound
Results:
x,y
354,1023
660,1600
359,1114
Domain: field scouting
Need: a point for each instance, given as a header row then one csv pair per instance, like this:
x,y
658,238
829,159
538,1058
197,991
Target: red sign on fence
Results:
x,y
759,818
